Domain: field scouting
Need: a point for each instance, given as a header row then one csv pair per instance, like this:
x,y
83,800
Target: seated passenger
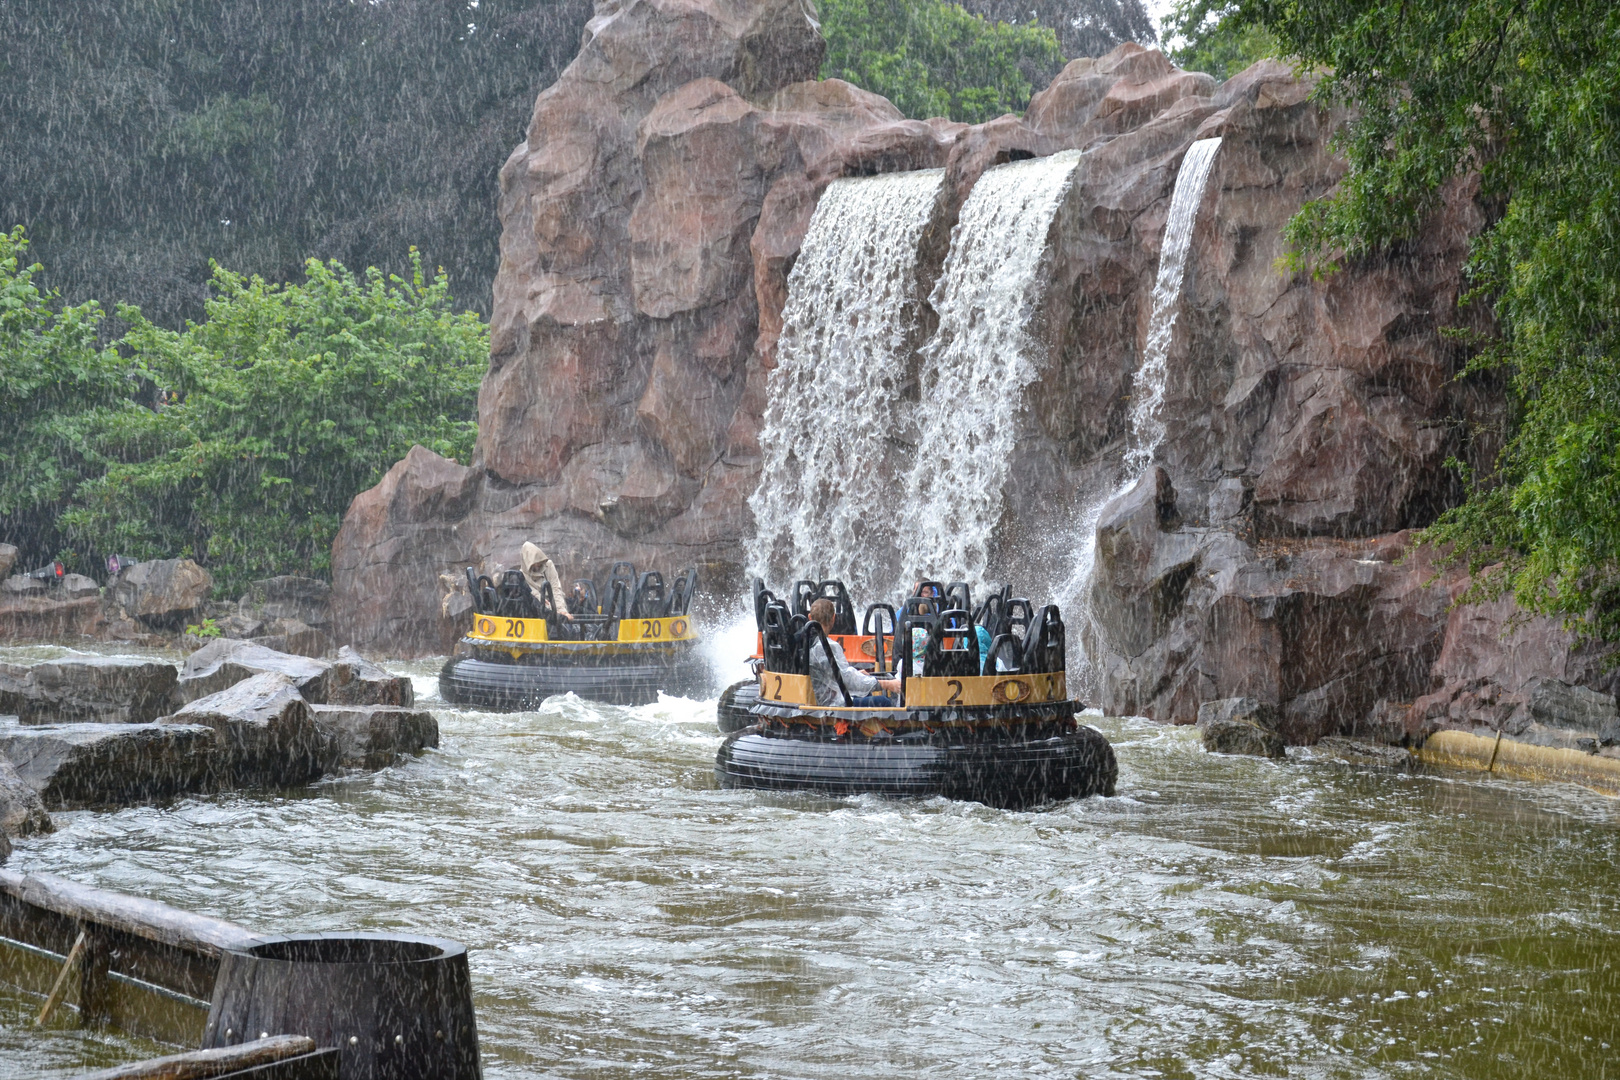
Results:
x,y
538,568
859,684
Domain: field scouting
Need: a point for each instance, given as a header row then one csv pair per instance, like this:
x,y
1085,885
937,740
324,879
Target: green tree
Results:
x,y
276,411
1203,38
1528,94
932,58
141,138
57,387
1083,27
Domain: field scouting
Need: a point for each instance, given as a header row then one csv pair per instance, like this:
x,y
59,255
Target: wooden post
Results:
x,y
54,998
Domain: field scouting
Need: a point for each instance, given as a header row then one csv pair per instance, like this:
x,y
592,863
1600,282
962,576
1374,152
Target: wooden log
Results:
x,y
131,915
203,1064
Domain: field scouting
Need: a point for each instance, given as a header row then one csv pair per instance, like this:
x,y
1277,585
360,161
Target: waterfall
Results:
x,y
1147,429
976,366
825,492
1147,397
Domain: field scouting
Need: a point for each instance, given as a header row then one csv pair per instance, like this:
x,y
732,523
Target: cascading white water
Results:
x,y
823,501
976,366
1147,394
1147,429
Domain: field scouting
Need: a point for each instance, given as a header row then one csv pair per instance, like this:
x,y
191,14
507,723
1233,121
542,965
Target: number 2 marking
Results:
x,y
778,694
956,693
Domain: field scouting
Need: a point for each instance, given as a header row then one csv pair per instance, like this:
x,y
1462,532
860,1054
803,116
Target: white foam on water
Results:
x,y
975,369
833,402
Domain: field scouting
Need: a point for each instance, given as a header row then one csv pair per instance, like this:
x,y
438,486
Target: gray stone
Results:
x,y
1558,704
77,587
266,732
1361,752
294,638
18,585
373,736
21,812
295,599
96,689
357,681
1235,737
8,559
73,766
1243,710
5,848
222,664
163,593
1240,726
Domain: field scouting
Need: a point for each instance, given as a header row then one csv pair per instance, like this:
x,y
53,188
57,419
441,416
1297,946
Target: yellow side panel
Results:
x,y
792,689
500,628
674,628
986,690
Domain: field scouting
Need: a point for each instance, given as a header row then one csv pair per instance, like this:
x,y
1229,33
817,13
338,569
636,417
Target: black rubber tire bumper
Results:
x,y
734,712
488,684
998,772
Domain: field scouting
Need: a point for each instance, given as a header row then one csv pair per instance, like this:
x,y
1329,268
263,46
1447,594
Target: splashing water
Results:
x,y
834,403
1147,429
977,364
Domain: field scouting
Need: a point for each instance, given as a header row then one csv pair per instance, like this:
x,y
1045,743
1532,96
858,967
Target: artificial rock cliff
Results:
x,y
652,217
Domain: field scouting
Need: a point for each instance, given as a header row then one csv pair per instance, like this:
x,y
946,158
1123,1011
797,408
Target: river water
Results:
x,y
1220,917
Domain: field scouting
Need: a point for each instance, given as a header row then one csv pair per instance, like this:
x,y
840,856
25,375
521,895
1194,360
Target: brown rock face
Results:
x,y
652,218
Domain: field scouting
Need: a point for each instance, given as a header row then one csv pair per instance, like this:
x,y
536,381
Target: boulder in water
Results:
x,y
222,664
73,766
266,733
21,811
357,681
1240,726
96,689
374,736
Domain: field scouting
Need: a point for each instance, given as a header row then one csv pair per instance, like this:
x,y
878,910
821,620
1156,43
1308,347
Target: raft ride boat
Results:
x,y
627,642
992,725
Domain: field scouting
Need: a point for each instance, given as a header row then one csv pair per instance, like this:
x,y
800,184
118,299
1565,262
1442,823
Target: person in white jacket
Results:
x,y
538,567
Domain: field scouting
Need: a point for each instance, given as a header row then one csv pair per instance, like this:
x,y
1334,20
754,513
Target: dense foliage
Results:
x,y
1083,27
1201,38
1529,95
240,440
57,387
141,138
932,58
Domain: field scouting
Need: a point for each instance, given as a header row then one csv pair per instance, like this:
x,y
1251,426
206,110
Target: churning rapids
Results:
x,y
1222,917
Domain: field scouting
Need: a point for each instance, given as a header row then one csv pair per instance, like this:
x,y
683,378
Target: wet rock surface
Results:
x,y
21,811
374,736
266,734
99,689
72,766
1240,726
222,664
162,593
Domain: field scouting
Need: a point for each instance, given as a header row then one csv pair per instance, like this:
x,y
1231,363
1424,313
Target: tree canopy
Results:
x,y
933,58
141,138
238,441
1202,39
1527,94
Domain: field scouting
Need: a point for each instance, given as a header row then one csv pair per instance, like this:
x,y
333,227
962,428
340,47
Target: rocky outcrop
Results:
x,y
21,811
100,689
266,734
73,766
375,736
355,680
222,664
163,593
1240,726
